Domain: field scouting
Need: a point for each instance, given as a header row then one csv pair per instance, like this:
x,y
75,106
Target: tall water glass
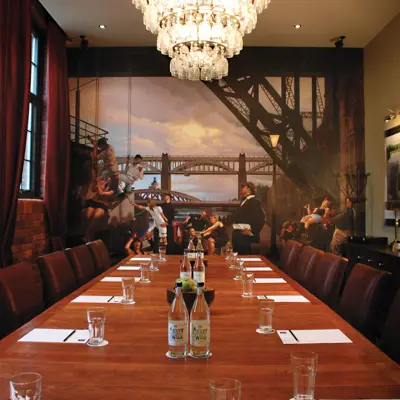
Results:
x,y
228,253
96,319
248,279
239,269
144,273
232,260
162,251
225,389
265,312
26,386
128,290
154,258
304,366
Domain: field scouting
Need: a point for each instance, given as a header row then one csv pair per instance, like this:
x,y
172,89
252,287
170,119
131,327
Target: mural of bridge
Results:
x,y
166,165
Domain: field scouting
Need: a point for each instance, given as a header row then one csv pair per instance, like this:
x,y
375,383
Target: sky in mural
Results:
x,y
168,115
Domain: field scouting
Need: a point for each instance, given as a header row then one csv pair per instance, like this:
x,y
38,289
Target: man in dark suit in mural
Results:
x,y
248,220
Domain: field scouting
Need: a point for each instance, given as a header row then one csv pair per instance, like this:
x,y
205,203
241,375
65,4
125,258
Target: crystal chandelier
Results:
x,y
199,35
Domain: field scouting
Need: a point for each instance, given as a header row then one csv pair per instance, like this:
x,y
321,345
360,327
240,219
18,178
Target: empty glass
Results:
x,y
304,366
265,311
96,319
225,389
248,279
128,290
162,250
145,273
154,262
232,260
26,386
239,269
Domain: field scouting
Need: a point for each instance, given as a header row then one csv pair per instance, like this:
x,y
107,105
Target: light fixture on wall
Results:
x,y
199,35
297,26
391,116
102,26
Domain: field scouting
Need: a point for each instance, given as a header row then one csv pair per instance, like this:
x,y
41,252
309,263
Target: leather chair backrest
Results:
x,y
326,277
289,255
82,263
58,276
21,296
389,341
100,255
366,298
308,258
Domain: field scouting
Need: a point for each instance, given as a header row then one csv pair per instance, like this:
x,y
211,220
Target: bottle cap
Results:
x,y
200,284
178,284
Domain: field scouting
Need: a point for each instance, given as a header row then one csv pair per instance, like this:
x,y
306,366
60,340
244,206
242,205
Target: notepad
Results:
x,y
313,336
250,259
45,335
140,259
269,280
256,269
285,298
92,299
116,279
128,268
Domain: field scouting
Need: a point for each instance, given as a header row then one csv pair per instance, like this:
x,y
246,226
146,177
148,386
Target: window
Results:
x,y
31,171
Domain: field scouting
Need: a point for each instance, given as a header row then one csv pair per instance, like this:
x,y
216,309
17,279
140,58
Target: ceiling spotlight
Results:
x,y
391,116
297,26
102,26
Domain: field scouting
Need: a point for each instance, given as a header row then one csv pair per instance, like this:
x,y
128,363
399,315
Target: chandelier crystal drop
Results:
x,y
200,35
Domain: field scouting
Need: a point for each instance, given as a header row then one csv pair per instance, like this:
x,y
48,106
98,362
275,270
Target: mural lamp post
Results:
x,y
273,250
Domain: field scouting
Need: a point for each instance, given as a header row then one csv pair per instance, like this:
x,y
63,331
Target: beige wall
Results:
x,y
382,91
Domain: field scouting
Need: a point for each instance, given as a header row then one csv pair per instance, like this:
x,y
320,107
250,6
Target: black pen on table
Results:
x,y
294,335
69,335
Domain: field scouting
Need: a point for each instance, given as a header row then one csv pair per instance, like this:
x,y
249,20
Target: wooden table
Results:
x,y
134,365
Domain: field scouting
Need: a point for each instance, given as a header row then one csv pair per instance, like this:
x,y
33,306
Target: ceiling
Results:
x,y
321,20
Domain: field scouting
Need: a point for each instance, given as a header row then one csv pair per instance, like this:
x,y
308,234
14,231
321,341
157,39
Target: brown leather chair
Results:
x,y
326,278
100,255
21,296
366,298
58,276
82,263
306,261
389,341
289,256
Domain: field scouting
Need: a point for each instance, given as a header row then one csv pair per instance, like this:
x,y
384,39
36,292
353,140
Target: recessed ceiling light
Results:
x,y
297,26
102,26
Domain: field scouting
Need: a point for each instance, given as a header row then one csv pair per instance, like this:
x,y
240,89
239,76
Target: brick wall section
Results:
x,y
31,234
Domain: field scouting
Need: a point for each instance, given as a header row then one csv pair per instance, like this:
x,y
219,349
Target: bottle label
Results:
x,y
185,275
177,333
199,276
191,255
200,333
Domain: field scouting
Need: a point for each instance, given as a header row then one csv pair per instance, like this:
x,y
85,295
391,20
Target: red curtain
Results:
x,y
58,137
15,57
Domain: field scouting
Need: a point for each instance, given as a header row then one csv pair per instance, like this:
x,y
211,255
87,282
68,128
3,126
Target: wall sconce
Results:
x,y
391,116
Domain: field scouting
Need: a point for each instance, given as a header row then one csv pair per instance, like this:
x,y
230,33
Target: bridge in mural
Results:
x,y
166,165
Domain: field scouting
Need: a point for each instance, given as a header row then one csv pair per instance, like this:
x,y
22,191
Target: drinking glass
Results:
x,y
154,262
96,318
145,273
128,290
304,366
248,279
239,269
162,250
228,253
232,260
225,389
265,311
26,386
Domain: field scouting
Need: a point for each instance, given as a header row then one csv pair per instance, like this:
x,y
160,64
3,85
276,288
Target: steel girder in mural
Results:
x,y
265,109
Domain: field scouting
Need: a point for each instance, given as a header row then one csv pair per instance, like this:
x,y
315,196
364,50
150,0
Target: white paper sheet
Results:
x,y
128,268
285,298
80,336
92,299
116,279
313,336
46,335
269,280
140,259
250,259
256,269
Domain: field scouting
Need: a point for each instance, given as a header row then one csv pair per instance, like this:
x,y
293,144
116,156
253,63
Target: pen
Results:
x,y
294,335
110,299
69,335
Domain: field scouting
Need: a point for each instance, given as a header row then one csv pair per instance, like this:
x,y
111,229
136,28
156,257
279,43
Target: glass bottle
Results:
x,y
185,268
199,270
178,318
199,247
200,326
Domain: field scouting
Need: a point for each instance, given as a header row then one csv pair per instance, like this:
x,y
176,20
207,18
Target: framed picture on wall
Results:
x,y
392,195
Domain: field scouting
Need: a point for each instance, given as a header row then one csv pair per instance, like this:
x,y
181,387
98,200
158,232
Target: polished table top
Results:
x,y
134,365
